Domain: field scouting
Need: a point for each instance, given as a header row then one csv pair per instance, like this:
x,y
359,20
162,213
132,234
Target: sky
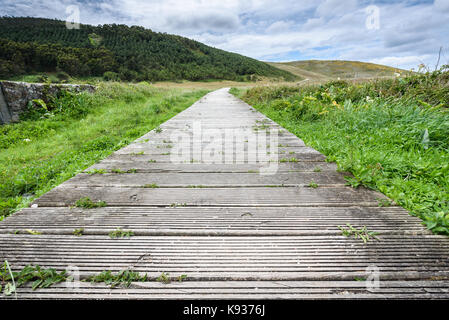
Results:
x,y
400,34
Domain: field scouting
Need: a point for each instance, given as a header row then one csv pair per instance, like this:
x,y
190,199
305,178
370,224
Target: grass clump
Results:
x,y
97,171
384,203
120,171
87,203
164,278
182,277
392,135
119,233
78,232
33,232
361,233
39,277
61,137
152,185
124,277
288,160
45,277
313,185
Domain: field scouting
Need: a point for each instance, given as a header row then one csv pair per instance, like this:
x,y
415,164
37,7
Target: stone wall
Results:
x,y
14,96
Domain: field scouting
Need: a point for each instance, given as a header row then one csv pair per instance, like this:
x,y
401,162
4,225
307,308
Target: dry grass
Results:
x,y
325,70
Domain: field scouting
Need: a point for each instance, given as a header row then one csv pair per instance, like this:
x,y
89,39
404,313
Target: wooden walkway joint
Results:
x,y
197,198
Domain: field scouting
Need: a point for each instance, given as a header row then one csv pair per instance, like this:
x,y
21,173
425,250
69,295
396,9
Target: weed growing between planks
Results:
x,y
39,277
78,232
87,203
122,277
164,278
361,233
119,233
45,277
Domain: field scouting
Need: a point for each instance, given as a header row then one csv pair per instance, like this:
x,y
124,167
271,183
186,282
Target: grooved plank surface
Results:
x,y
221,258
246,290
213,220
208,179
242,196
138,165
241,206
196,158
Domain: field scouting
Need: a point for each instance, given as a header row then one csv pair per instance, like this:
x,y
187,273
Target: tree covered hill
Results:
x,y
29,45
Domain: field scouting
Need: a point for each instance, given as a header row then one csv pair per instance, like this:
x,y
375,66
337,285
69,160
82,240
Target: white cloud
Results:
x,y
406,62
409,31
279,26
330,8
442,5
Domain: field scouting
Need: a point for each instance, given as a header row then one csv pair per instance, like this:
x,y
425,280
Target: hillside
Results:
x,y
333,69
30,45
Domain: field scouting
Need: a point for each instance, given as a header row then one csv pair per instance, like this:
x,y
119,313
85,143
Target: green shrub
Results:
x,y
61,75
111,76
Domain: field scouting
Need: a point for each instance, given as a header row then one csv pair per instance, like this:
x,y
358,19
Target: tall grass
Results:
x,y
393,135
72,131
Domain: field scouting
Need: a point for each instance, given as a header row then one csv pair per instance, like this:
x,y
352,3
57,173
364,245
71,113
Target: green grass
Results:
x,y
97,171
76,132
119,233
40,277
164,278
150,185
119,171
124,277
33,232
87,203
78,232
361,233
313,185
393,136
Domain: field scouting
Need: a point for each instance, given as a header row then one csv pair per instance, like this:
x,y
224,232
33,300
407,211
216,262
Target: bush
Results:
x,y
111,76
43,79
61,75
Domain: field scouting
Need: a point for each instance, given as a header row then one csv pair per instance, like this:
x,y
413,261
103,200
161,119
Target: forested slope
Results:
x,y
29,45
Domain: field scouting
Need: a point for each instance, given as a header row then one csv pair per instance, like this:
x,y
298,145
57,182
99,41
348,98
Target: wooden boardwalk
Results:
x,y
235,232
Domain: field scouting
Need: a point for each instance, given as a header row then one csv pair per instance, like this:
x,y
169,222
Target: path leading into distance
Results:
x,y
239,216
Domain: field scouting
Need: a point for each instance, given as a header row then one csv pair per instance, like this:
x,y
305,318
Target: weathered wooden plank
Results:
x,y
299,153
294,196
214,221
161,167
248,285
242,289
205,179
185,214
230,258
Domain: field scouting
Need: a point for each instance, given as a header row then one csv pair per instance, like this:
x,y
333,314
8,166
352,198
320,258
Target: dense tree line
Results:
x,y
122,52
28,57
